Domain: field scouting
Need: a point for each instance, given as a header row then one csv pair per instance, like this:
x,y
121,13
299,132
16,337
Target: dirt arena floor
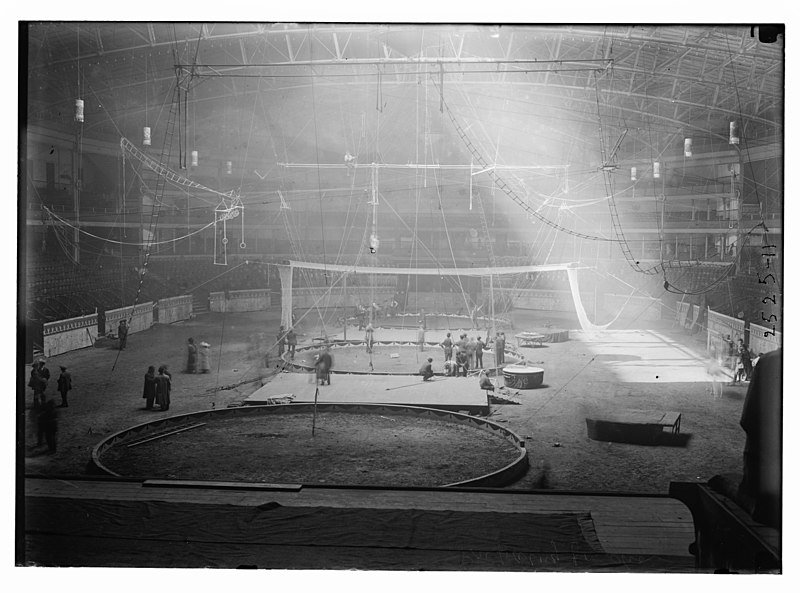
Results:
x,y
658,368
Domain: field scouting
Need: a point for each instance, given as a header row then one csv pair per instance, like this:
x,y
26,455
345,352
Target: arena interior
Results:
x,y
292,218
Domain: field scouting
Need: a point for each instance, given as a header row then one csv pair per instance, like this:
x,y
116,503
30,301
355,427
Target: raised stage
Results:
x,y
455,394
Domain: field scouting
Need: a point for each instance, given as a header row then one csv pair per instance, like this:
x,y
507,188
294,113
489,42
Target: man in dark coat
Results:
x,y
463,362
426,370
280,340
447,344
40,375
323,366
48,425
291,340
122,333
191,356
761,488
163,389
149,392
479,346
500,349
64,386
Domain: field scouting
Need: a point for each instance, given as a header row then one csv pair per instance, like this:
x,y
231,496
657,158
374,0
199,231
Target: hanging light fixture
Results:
x,y
656,169
229,168
79,110
687,147
733,136
146,136
194,158
633,173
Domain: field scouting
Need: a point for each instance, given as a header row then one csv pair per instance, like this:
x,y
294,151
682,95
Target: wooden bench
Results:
x,y
726,537
633,425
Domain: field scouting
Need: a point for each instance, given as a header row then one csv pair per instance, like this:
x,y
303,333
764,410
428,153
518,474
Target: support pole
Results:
x,y
286,273
344,281
314,417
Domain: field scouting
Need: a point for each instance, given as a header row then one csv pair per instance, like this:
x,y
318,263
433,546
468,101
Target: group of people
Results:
x,y
739,360
157,387
39,377
467,353
46,414
374,312
198,359
734,359
464,354
286,339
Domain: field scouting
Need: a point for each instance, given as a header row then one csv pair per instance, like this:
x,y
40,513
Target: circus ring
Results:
x,y
352,444
387,357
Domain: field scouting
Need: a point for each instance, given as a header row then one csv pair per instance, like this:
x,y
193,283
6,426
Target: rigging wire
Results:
x,y
66,223
316,147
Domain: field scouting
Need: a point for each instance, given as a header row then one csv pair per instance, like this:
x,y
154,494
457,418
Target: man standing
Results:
x,y
149,391
447,344
291,340
48,425
281,341
369,337
122,333
472,348
479,346
323,366
191,356
500,349
64,386
163,389
40,375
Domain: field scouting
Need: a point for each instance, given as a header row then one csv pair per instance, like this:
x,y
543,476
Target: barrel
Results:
x,y
523,377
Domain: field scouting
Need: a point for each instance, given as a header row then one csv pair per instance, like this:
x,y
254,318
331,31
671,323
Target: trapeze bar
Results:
x,y
432,271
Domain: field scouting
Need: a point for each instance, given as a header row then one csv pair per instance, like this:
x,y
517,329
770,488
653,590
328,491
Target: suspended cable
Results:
x,y
500,182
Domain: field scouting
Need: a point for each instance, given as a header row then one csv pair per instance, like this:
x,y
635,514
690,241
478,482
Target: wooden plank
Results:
x,y
116,552
204,484
630,525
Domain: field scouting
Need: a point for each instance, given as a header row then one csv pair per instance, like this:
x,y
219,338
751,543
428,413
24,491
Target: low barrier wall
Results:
x,y
69,334
174,309
141,319
504,476
237,301
719,326
761,343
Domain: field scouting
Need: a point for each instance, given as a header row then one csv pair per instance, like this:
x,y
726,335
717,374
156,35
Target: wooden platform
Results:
x,y
633,425
454,394
529,339
633,532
